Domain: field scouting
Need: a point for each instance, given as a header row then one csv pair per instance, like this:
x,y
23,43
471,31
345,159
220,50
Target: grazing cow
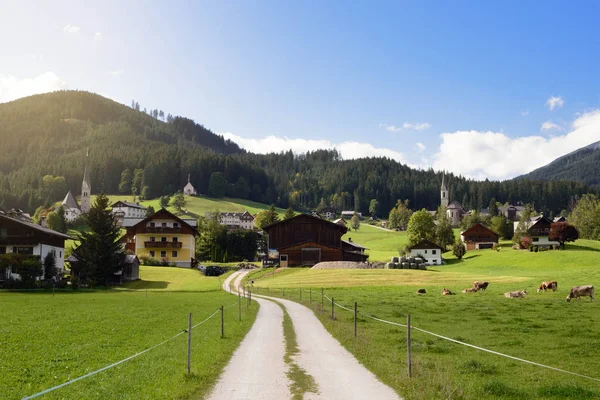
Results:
x,y
481,285
548,285
446,292
520,293
421,291
578,291
471,290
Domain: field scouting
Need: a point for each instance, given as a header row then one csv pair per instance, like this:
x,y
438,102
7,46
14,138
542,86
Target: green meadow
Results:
x,y
383,244
46,340
542,327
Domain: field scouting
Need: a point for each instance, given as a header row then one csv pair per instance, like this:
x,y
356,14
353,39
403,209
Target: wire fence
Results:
x,y
409,327
181,333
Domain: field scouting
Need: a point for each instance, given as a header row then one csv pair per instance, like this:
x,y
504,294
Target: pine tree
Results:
x,y
289,213
100,254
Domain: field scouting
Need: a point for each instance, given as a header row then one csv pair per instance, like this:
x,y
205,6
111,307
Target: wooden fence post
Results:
x,y
222,322
322,301
408,346
239,307
189,360
355,311
332,313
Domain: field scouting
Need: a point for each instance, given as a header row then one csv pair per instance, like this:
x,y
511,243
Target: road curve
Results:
x,y
259,360
257,369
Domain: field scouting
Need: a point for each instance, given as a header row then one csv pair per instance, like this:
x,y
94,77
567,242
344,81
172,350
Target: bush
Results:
x,y
525,242
153,262
459,250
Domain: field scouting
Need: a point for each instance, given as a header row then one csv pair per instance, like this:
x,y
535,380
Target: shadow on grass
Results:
x,y
142,284
579,248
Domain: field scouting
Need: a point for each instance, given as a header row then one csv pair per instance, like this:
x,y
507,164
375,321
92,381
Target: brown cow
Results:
x,y
481,285
548,285
578,291
520,293
471,290
446,292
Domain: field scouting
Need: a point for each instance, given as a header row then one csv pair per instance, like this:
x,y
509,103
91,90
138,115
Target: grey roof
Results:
x,y
354,244
128,222
190,222
455,205
86,176
128,204
444,186
36,227
70,201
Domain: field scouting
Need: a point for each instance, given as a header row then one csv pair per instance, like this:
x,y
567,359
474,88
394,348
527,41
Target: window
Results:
x,y
164,224
152,239
163,239
175,239
433,251
23,250
425,251
174,254
163,254
536,239
175,224
60,254
152,224
152,253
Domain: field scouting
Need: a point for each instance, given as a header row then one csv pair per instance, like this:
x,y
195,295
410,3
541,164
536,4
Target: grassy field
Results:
x,y
541,328
46,340
382,244
199,205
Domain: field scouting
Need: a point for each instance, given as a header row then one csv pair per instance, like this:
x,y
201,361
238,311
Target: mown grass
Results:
x,y
46,340
542,328
382,244
175,279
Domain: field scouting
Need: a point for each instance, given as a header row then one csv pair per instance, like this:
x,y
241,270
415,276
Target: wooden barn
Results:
x,y
308,240
479,237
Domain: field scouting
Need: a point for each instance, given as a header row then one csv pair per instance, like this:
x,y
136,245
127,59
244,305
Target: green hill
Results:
x,y
580,165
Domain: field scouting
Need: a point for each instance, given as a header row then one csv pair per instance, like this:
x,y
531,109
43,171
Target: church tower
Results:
x,y
444,192
86,189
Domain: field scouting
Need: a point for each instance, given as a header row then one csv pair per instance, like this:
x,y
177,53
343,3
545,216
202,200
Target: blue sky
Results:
x,y
481,89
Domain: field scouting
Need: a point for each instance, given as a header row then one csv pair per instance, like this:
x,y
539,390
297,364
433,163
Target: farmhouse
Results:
x,y
129,210
328,213
350,214
538,229
308,240
479,237
163,236
23,237
233,220
431,252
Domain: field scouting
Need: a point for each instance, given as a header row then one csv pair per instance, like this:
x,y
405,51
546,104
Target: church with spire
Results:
x,y
189,189
454,209
69,204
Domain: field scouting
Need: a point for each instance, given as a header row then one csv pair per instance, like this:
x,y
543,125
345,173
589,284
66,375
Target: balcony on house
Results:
x,y
162,245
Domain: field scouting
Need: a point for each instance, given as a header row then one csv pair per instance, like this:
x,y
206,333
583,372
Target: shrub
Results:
x,y
151,261
459,250
525,242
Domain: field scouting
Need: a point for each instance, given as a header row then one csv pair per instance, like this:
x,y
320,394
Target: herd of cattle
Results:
x,y
575,293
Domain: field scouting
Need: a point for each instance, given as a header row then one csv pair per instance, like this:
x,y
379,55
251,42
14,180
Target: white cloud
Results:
x,y
70,28
348,150
417,126
116,72
406,125
550,126
98,36
555,102
495,155
390,128
12,88
525,113
421,146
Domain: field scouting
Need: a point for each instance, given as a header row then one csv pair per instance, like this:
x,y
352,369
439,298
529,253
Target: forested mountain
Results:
x,y
582,165
49,134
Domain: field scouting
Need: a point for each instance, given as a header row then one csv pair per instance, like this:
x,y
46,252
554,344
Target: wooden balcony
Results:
x,y
160,229
162,245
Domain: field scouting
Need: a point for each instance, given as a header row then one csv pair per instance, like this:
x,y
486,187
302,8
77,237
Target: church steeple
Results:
x,y
444,193
86,187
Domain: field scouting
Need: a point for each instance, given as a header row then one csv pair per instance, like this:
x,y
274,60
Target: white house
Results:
x,y
189,189
239,220
431,252
129,210
538,229
23,237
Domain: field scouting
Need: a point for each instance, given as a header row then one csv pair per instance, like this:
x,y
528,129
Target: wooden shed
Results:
x,y
308,240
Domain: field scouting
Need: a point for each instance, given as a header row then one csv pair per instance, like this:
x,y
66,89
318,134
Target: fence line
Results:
x,y
466,344
123,360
